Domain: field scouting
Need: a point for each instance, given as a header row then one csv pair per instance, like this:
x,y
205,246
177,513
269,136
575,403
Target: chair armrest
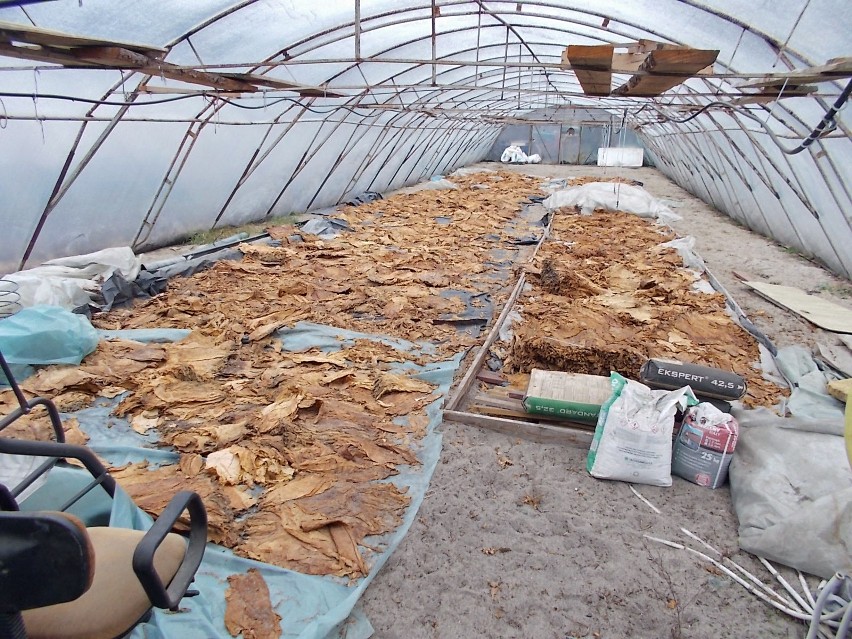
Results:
x,y
58,450
143,557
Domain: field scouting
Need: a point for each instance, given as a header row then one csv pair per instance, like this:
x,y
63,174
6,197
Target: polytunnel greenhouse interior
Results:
x,y
433,319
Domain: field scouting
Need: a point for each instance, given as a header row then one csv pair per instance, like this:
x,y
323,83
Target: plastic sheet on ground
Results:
x,y
42,335
310,606
791,488
71,282
465,171
325,227
612,196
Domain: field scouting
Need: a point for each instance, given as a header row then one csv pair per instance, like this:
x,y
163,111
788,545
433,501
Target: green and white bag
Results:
x,y
633,436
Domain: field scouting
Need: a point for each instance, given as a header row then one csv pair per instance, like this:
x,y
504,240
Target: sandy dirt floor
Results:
x,y
515,539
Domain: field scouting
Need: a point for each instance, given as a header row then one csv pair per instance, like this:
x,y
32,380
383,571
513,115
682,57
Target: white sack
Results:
x,y
513,155
633,437
612,196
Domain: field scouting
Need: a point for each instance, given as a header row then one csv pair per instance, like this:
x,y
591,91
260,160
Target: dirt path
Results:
x,y
515,539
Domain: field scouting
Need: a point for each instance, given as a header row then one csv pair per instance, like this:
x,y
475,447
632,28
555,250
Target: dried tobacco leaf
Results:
x,y
248,609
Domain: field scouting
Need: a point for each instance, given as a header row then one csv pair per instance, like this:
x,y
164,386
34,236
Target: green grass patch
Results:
x,y
253,228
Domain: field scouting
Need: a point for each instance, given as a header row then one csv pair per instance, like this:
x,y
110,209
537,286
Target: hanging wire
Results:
x,y
177,98
826,125
792,31
775,102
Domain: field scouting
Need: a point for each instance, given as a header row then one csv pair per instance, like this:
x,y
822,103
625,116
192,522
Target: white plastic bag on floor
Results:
x,y
791,487
633,438
513,155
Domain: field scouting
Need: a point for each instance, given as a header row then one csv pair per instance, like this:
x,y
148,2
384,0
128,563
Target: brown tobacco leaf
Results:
x,y
197,357
316,526
73,434
152,490
249,464
248,609
391,382
57,379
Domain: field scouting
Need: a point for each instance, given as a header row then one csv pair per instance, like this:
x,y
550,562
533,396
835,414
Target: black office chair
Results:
x,y
60,579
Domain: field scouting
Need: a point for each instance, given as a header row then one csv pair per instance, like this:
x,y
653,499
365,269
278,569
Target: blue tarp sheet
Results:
x,y
310,607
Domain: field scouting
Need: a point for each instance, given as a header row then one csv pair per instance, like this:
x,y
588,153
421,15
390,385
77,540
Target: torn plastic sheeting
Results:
x,y
791,489
465,171
612,196
365,198
71,282
311,607
325,227
41,335
147,335
118,291
809,399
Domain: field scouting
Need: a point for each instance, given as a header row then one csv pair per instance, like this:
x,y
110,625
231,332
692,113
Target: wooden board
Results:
x,y
14,32
833,70
840,389
825,314
666,68
476,365
771,95
593,67
541,433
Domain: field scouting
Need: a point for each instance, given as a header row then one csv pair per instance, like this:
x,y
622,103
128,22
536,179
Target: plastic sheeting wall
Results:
x,y
233,174
427,85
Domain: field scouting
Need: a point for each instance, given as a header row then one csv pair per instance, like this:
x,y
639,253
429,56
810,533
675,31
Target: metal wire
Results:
x,y
10,299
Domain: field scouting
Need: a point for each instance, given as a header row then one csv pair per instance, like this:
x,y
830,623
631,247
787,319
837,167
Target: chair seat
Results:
x,y
116,599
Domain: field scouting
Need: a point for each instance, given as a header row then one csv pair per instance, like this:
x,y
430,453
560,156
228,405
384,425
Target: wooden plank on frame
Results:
x,y
473,370
593,67
541,433
666,68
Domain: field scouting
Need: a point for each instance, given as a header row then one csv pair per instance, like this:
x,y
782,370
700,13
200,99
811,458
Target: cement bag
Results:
x,y
633,437
791,488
